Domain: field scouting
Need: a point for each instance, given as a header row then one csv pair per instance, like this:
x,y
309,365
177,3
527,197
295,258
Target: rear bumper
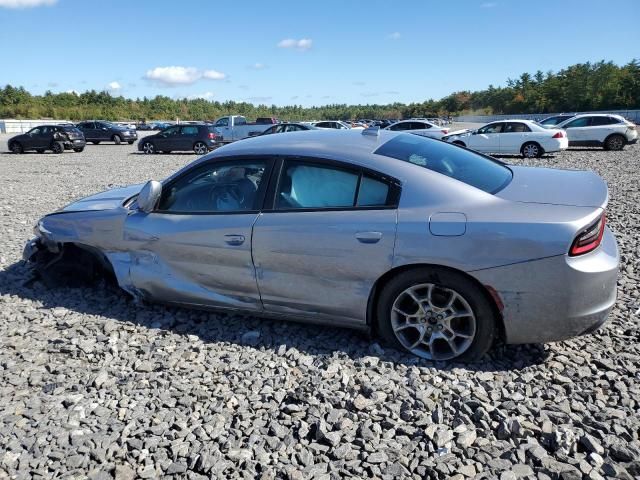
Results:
x,y
556,298
76,143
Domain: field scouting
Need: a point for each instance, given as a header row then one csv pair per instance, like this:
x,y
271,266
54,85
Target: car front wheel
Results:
x,y
16,147
148,148
57,147
436,314
200,148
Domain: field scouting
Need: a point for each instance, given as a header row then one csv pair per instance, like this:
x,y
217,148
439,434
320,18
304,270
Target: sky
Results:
x,y
307,53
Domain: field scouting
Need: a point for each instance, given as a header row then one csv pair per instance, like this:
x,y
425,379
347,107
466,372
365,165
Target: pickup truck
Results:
x,y
236,127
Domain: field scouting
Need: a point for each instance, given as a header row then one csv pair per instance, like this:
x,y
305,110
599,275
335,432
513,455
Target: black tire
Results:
x,y
531,150
16,147
78,150
485,317
615,142
459,143
200,148
130,142
40,150
95,142
57,147
148,148
117,140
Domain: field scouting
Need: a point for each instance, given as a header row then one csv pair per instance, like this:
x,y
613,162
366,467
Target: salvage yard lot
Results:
x,y
91,383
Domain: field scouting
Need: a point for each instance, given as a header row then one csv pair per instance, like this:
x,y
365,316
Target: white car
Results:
x,y
512,137
419,127
333,124
612,132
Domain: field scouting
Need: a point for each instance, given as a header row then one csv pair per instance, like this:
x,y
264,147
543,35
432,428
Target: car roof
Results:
x,y
580,115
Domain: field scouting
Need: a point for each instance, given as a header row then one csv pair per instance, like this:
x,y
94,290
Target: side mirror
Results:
x,y
474,132
149,196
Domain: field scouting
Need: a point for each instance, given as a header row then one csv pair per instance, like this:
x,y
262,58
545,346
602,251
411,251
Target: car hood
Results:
x,y
106,200
552,186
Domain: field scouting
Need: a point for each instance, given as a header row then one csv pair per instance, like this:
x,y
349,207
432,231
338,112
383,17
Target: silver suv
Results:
x,y
610,131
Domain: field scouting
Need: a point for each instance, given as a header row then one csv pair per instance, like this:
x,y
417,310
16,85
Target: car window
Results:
x,y
35,131
239,121
458,163
579,122
190,130
323,124
372,192
491,128
215,187
171,131
401,126
516,127
270,130
313,186
223,122
420,126
597,121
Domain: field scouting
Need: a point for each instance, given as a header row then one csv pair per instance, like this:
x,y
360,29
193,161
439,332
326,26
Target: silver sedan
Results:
x,y
439,250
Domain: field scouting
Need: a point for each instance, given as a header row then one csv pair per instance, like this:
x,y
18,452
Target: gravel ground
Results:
x,y
94,386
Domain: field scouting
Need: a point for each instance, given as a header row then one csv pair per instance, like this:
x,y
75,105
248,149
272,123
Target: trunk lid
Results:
x,y
552,186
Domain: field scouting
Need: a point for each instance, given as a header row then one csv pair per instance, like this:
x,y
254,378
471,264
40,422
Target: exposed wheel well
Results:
x,y
490,294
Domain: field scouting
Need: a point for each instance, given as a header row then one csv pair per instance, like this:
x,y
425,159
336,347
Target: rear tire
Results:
x,y
615,142
95,142
200,148
462,331
117,140
531,150
16,147
57,147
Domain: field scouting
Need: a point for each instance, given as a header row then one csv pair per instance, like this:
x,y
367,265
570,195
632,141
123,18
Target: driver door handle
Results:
x,y
233,239
369,237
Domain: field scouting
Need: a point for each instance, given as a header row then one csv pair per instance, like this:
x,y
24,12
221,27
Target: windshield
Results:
x,y
464,165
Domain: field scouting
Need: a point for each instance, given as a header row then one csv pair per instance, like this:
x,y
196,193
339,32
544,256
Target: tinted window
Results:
x,y
578,122
191,131
463,165
491,128
324,124
596,121
35,131
223,122
314,186
516,127
270,130
217,187
171,131
86,125
372,192
401,126
420,126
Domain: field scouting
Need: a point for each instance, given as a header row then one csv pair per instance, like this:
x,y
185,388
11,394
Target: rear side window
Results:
x,y
597,121
306,185
516,127
464,165
579,122
191,131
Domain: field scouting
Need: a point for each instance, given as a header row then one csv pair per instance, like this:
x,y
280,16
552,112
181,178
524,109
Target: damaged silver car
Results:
x,y
438,249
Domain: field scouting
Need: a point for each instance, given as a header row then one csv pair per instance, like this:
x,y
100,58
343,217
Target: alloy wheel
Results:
x,y
200,148
530,151
433,322
148,148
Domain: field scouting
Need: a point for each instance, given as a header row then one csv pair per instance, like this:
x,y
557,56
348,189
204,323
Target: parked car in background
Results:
x,y
200,138
333,124
266,121
612,132
419,127
288,127
236,127
56,138
512,137
555,120
144,126
96,131
439,250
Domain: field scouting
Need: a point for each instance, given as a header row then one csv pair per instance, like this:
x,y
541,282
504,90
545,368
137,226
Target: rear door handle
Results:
x,y
369,237
233,239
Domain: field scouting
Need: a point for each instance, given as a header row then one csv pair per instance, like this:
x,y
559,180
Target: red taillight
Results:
x,y
558,135
445,131
589,239
212,136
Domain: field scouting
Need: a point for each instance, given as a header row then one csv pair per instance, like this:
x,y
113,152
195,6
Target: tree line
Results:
x,y
581,87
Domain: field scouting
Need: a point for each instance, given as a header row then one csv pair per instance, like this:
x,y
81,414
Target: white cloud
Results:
x,y
26,3
302,44
213,75
489,5
175,75
114,86
259,99
72,91
394,36
204,96
258,66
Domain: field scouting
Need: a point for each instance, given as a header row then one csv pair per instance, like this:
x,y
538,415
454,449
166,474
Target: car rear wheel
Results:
x,y
615,142
436,314
458,142
531,150
200,148
148,148
117,140
95,142
16,147
57,147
